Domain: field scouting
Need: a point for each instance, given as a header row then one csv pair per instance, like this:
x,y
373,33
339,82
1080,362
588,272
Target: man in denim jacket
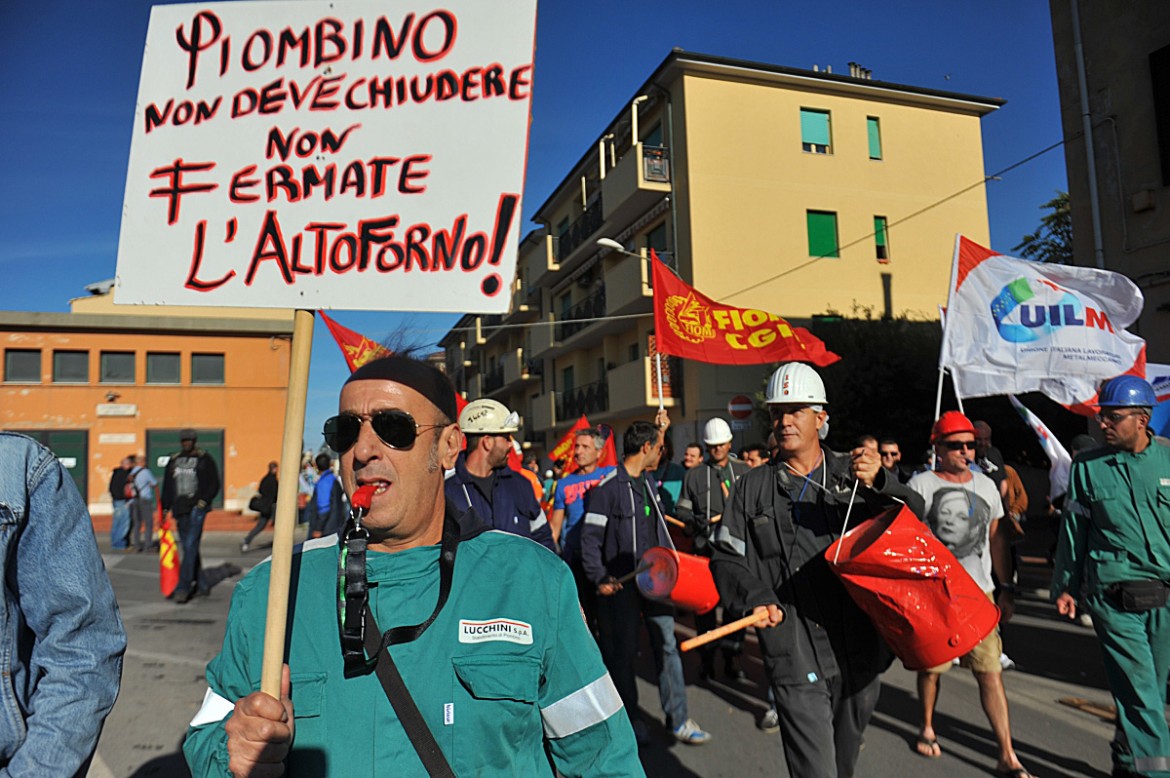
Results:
x,y
62,636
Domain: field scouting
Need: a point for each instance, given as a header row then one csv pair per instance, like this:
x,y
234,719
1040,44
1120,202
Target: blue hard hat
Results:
x,y
1127,391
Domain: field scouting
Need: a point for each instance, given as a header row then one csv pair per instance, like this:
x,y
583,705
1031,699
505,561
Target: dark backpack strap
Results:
x,y
412,721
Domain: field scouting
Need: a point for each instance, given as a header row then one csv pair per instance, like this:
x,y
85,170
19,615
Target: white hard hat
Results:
x,y
716,432
488,417
796,382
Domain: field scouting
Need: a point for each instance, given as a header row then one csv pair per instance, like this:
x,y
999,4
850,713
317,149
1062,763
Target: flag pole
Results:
x,y
658,361
286,504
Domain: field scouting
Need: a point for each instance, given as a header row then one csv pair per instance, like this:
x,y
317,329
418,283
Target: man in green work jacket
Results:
x,y
483,627
1115,554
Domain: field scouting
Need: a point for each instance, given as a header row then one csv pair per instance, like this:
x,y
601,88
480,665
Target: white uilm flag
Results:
x,y
1017,326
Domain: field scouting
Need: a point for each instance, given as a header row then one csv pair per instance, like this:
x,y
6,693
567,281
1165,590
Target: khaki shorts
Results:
x,y
984,658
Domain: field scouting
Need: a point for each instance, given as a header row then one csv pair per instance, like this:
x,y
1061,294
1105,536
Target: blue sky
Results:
x,y
71,76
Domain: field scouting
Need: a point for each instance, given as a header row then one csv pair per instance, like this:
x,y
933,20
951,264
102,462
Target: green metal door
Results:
x,y
161,444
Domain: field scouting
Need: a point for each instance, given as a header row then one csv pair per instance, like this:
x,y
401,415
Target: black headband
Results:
x,y
419,376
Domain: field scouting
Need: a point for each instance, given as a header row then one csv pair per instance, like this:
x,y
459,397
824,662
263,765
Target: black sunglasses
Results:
x,y
958,445
397,429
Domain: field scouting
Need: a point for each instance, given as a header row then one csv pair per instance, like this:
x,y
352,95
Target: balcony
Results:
x,y
544,337
580,231
493,379
544,411
475,386
628,288
633,387
525,301
581,315
517,368
590,398
639,180
550,264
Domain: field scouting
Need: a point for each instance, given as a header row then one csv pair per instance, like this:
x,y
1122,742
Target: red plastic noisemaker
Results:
x,y
918,596
682,579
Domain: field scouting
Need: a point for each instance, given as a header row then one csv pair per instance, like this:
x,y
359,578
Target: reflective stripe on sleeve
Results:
x,y
728,542
583,708
1149,764
214,709
596,519
537,523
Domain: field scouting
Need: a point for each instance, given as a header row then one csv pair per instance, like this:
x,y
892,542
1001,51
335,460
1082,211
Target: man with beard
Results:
x,y
482,480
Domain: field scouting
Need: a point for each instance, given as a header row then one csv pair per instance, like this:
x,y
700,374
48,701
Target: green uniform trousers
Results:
x,y
1137,660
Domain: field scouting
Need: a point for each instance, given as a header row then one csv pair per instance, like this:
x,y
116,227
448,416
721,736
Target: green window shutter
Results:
x,y
873,127
822,234
879,237
814,127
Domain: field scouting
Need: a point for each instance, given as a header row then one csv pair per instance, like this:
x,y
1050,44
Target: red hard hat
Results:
x,y
950,423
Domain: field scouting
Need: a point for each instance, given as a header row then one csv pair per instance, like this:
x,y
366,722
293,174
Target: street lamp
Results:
x,y
609,243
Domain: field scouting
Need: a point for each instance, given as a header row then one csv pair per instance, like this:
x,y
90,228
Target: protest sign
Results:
x,y
328,155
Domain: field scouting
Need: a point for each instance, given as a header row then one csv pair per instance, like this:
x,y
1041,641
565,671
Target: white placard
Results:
x,y
329,155
117,437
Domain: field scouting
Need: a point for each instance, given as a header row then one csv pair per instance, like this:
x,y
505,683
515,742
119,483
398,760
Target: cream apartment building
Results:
x,y
798,192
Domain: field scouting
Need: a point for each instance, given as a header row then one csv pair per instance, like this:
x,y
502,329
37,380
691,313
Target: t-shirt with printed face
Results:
x,y
960,515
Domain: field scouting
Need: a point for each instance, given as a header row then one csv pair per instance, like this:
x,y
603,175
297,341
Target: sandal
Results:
x,y
931,745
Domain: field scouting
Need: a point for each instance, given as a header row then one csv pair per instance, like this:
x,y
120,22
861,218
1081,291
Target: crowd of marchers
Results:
x,y
449,624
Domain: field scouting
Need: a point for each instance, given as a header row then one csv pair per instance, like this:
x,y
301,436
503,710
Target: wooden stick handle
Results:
x,y
644,566
286,504
715,634
674,521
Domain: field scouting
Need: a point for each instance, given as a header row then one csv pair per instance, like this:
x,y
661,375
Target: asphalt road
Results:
x,y
169,645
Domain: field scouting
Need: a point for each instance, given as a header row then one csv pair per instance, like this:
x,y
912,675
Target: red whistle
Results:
x,y
363,497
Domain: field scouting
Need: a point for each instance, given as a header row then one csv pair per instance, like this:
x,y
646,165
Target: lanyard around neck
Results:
x,y
354,593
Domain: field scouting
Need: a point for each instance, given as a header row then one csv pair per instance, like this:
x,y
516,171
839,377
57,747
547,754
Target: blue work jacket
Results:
x,y
511,508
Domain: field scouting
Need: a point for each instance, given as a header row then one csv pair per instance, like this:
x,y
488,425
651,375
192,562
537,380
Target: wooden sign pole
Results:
x,y
286,504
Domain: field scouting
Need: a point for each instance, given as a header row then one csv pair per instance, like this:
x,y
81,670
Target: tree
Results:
x,y
1052,242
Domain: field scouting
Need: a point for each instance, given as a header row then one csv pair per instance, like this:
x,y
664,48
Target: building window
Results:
x,y
566,304
656,239
815,133
567,380
822,234
635,352
162,368
873,129
117,367
881,239
22,365
1160,79
70,367
654,137
207,368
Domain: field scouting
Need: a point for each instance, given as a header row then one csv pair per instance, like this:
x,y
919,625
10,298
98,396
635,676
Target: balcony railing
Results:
x,y
581,315
590,398
534,367
493,379
580,230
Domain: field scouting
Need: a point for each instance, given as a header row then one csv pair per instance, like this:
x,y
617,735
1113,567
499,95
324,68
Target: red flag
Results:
x,y
608,456
691,325
563,450
357,348
168,558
